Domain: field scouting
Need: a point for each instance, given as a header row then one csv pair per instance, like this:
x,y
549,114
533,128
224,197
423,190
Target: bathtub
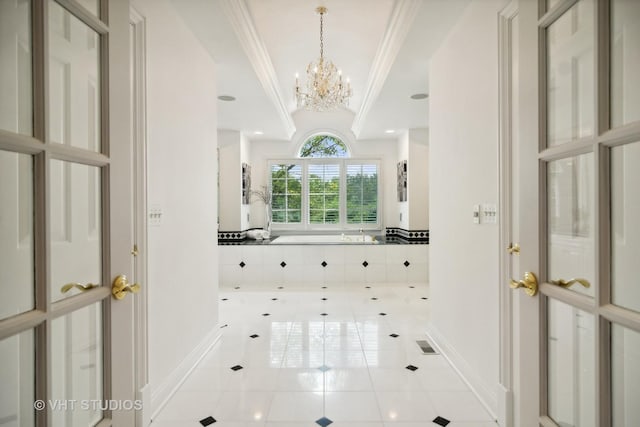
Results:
x,y
324,239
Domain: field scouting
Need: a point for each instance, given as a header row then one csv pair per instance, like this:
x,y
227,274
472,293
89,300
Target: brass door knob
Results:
x,y
121,286
529,283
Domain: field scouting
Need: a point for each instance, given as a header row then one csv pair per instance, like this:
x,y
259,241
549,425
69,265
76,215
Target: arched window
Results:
x,y
324,145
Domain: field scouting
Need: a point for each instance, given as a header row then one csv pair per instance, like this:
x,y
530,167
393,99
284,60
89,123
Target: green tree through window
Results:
x,y
324,146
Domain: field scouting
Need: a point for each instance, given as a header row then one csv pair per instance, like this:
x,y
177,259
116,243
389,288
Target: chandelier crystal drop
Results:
x,y
325,89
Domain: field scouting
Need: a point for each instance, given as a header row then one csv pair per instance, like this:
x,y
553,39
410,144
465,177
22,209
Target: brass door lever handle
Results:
x,y
567,283
121,286
66,288
529,283
514,249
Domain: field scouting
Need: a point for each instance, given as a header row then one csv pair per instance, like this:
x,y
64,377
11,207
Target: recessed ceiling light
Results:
x,y
258,132
226,98
389,131
419,96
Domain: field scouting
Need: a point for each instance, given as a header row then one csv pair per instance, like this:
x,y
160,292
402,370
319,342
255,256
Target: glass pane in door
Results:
x,y
76,366
16,105
625,62
570,217
17,380
625,376
625,231
570,361
74,81
75,227
16,234
570,79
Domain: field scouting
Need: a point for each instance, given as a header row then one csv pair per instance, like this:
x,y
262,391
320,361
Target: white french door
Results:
x,y
66,343
578,337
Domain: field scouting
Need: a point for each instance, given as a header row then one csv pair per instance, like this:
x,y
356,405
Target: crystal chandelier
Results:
x,y
325,89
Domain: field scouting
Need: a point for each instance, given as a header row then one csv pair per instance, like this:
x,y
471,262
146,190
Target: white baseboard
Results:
x,y
505,406
161,394
485,392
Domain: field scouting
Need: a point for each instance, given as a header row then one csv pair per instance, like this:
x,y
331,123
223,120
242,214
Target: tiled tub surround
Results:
x,y
340,356
322,264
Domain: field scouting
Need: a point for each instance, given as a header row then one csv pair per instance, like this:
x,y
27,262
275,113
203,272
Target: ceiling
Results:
x,y
383,46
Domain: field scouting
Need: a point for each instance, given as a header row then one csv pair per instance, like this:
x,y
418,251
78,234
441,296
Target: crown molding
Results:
x,y
402,17
240,19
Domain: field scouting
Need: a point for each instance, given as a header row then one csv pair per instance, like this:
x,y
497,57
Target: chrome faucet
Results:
x,y
362,233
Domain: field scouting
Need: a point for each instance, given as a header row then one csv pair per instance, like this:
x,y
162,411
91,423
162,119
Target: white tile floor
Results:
x,y
363,380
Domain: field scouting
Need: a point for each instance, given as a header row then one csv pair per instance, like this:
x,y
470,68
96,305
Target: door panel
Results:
x,y
60,179
579,170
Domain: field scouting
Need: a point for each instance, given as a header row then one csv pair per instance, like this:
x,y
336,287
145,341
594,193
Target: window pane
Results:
x,y
76,226
625,233
324,193
76,361
16,234
570,80
17,380
74,81
625,376
16,110
286,192
324,146
570,217
625,62
362,194
571,364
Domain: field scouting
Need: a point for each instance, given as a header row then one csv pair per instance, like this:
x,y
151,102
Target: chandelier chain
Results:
x,y
321,36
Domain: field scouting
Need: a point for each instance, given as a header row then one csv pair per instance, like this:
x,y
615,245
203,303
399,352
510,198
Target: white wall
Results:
x,y
230,180
183,267
463,163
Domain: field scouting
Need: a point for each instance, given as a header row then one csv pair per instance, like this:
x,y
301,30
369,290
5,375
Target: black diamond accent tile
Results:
x,y
274,299
324,299
254,336
225,299
324,368
236,368
283,264
394,335
383,314
424,298
412,287
441,421
324,422
280,287
237,287
266,314
374,298
412,368
367,287
324,287
208,421
406,263
323,314
324,263
242,264
365,264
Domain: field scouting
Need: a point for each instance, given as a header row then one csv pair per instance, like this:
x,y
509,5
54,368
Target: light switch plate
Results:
x,y
155,216
476,214
489,213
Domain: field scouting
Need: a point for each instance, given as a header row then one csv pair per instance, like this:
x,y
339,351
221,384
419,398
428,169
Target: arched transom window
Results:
x,y
324,145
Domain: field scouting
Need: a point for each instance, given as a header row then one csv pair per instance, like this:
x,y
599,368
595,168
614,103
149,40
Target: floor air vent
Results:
x,y
425,347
